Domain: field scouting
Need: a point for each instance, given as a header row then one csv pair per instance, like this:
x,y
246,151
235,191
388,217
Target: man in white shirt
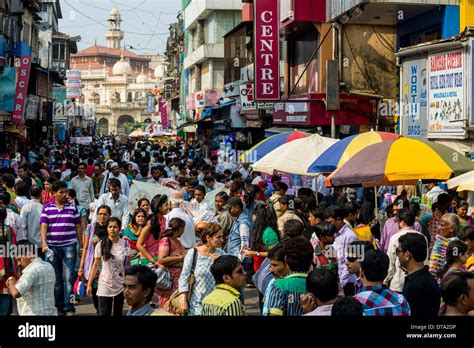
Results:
x,y
34,290
188,239
158,175
117,202
30,217
396,276
198,202
115,174
245,170
211,183
83,186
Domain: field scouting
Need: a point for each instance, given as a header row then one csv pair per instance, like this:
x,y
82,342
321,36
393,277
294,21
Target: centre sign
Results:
x,y
267,49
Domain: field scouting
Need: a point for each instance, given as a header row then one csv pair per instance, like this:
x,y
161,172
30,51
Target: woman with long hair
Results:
x,y
148,241
94,233
47,193
461,210
132,232
7,263
264,235
171,255
144,203
72,197
112,252
209,249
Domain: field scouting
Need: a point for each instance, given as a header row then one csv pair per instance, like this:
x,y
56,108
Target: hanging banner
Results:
x,y
247,101
199,99
267,49
32,107
73,84
446,94
23,66
414,98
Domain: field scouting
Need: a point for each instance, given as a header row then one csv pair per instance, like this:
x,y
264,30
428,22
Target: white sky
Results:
x,y
148,17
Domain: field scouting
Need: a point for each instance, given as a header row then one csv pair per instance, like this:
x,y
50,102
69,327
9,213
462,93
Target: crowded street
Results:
x,y
268,158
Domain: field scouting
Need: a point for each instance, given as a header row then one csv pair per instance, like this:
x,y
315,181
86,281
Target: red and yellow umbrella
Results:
x,y
400,161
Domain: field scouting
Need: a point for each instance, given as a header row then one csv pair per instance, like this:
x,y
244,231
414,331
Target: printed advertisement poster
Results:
x,y
446,94
414,98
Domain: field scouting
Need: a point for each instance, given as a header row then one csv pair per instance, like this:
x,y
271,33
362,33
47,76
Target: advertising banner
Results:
x,y
267,52
446,94
190,102
81,140
7,92
73,84
414,98
23,66
247,100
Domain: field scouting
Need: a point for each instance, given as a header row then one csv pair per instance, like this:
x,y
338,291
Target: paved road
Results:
x,y
86,307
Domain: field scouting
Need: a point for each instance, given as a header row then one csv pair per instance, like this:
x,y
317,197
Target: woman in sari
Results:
x,y
132,233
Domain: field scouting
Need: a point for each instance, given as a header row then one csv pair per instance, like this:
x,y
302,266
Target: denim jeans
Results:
x,y
63,262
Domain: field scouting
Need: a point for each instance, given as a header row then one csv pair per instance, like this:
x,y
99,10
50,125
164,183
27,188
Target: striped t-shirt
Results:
x,y
284,299
61,224
223,301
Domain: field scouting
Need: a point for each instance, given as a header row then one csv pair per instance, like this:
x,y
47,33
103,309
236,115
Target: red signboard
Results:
x,y
23,65
267,49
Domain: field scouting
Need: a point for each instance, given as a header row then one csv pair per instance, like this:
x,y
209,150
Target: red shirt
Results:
x,y
90,170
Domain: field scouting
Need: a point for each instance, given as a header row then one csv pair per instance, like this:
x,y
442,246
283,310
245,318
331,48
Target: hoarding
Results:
x,y
446,94
267,52
23,66
247,100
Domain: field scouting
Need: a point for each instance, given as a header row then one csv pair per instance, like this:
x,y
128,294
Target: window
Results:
x,y
59,51
26,33
301,49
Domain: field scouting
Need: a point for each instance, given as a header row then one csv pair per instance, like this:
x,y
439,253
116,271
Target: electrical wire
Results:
x,y
384,43
357,63
307,64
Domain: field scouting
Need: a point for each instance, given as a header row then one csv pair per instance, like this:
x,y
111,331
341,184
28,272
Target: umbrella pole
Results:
x,y
317,189
376,203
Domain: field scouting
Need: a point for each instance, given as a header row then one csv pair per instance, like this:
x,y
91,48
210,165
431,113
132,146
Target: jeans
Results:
x,y
64,259
106,304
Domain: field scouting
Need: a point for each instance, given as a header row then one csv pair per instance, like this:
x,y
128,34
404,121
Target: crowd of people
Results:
x,y
68,212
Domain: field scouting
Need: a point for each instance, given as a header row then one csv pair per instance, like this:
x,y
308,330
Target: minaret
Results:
x,y
114,35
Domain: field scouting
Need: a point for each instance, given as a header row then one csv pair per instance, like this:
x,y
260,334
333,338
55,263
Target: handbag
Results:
x,y
80,287
173,304
164,281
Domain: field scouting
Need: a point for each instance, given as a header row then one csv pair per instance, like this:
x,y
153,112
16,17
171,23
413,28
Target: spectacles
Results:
x,y
352,259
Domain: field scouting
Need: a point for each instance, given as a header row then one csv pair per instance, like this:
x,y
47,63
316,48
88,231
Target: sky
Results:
x,y
145,22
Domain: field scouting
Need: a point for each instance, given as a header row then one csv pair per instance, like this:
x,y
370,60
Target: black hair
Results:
x,y
415,208
407,216
266,218
141,200
223,195
236,175
35,191
135,213
58,185
21,189
277,253
455,285
375,265
416,244
444,198
193,182
146,277
201,188
351,208
208,178
106,243
8,180
155,206
3,216
317,213
292,228
104,206
30,248
235,202
5,197
347,307
334,212
358,248
467,234
323,284
250,193
324,229
113,182
73,194
454,250
223,265
173,226
280,186
298,254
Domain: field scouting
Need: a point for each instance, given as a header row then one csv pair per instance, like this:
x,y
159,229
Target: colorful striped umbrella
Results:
x,y
271,143
400,161
342,151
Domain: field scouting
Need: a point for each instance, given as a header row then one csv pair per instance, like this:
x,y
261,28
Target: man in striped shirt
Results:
x,y
285,295
230,277
60,231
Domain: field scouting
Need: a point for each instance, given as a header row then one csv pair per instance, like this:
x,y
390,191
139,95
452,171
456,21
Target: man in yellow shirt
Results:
x,y
225,299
